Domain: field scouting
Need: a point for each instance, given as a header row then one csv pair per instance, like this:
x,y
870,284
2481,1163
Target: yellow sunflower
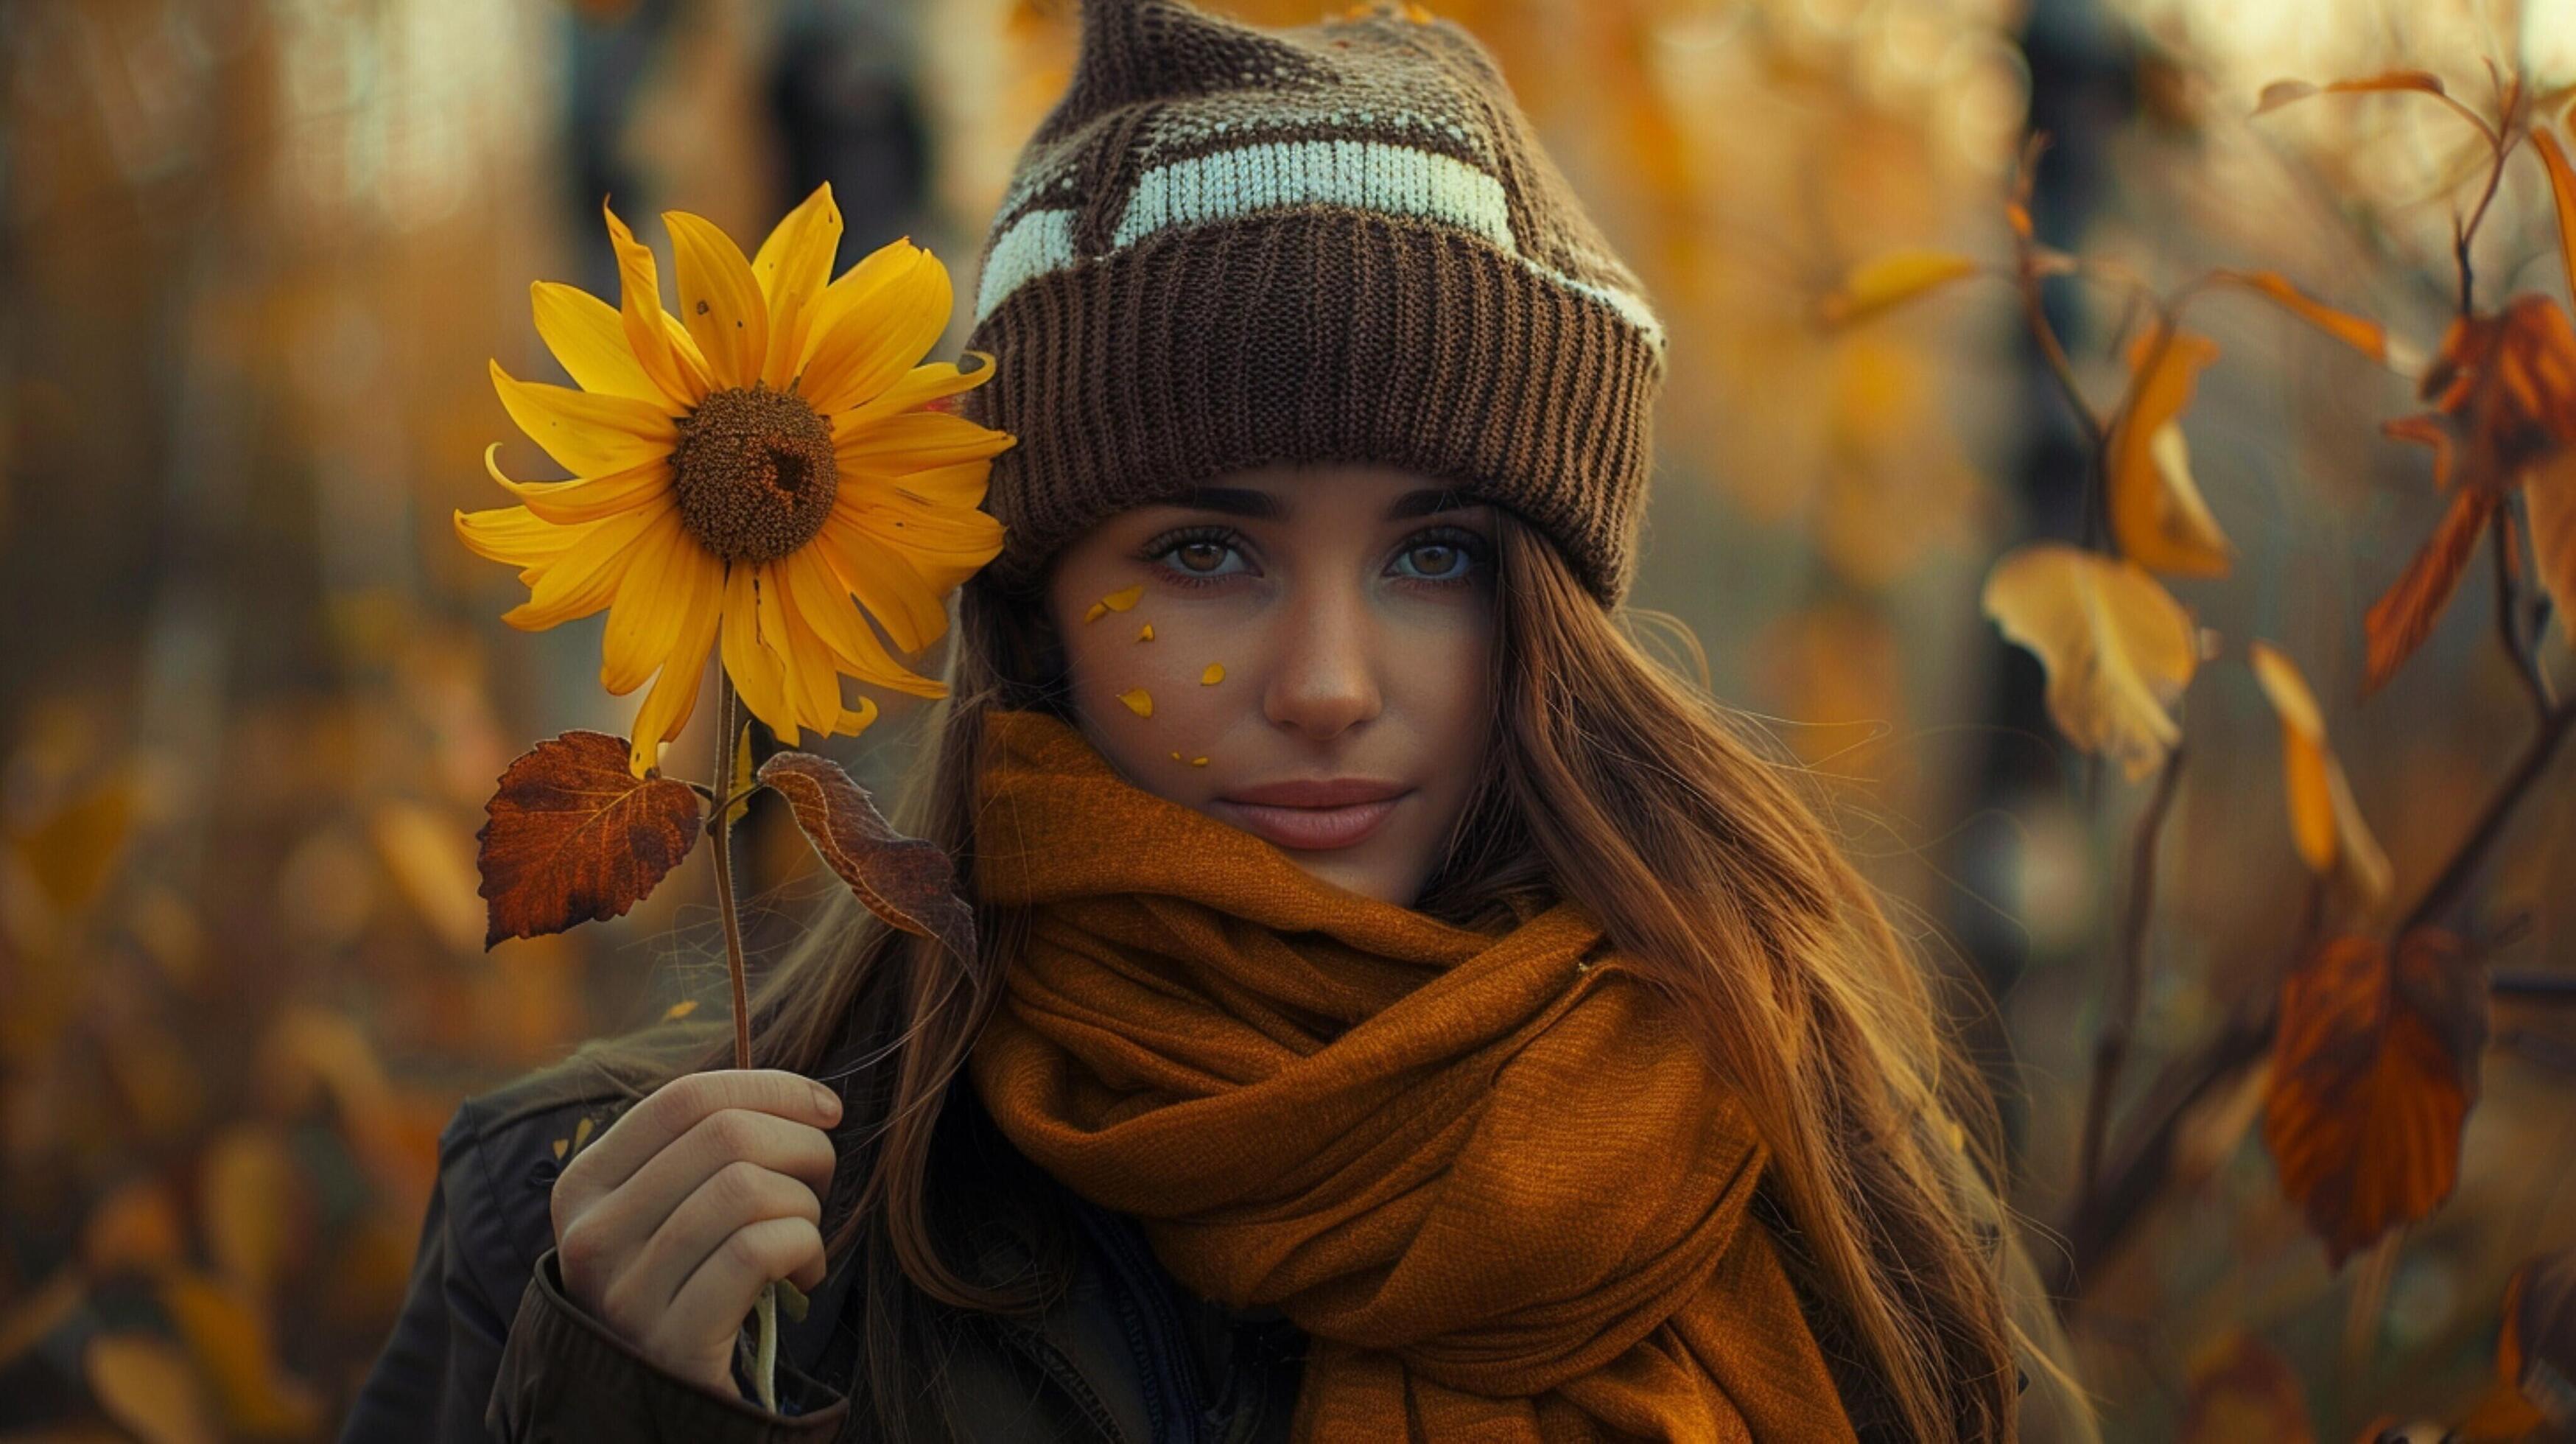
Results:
x,y
762,474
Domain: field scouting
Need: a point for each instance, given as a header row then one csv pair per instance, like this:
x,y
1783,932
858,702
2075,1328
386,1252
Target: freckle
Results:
x,y
1195,761
1138,702
1214,674
1146,635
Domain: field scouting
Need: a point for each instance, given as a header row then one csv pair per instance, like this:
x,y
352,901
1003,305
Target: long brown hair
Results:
x,y
1707,860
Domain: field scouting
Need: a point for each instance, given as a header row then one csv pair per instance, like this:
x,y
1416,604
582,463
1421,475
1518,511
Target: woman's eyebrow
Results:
x,y
1427,503
1234,501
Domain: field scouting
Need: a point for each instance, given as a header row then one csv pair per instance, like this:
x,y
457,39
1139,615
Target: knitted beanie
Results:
x,y
1227,247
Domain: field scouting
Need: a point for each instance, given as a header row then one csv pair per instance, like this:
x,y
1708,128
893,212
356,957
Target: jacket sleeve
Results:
x,y
458,1369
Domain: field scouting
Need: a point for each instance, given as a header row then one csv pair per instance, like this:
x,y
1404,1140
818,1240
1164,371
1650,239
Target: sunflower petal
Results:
x,y
812,680
925,535
878,338
825,606
921,385
589,340
720,303
584,498
793,266
584,579
961,486
644,620
855,290
681,378
515,535
758,675
887,584
586,433
913,441
675,693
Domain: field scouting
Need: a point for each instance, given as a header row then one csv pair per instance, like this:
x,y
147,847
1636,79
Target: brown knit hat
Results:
x,y
1228,247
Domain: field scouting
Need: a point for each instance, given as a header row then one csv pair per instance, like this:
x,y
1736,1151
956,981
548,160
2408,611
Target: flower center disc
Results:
x,y
754,472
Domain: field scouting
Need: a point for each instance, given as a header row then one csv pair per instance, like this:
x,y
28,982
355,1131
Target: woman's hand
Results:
x,y
668,1227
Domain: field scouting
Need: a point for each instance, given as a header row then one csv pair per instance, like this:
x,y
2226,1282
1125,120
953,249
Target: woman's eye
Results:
x,y
1195,558
1451,559
1203,557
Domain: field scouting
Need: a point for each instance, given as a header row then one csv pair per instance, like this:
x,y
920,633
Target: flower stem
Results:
x,y
728,722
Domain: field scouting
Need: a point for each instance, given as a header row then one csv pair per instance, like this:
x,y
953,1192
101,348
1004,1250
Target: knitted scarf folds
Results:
x,y
1486,1172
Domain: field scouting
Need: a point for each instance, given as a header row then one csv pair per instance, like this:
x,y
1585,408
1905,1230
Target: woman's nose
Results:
x,y
1323,676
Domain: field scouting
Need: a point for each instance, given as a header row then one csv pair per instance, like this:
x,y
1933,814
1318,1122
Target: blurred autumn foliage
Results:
x,y
2233,403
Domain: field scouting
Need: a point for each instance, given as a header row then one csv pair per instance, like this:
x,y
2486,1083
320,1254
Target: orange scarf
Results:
x,y
1488,1175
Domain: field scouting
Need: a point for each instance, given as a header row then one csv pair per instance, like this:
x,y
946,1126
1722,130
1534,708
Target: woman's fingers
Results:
x,y
680,1105
734,1197
706,1315
621,1222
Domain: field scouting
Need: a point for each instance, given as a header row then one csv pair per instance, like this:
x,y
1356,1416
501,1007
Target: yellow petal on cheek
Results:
x,y
1198,762
1138,701
1147,634
1214,674
1123,598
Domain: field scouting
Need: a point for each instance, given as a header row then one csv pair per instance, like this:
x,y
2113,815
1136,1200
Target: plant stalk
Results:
x,y
728,722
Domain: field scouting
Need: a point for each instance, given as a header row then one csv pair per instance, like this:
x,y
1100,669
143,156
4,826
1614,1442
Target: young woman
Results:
x,y
1404,1010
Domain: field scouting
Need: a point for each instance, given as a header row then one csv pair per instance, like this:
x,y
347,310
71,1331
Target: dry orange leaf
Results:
x,y
1889,281
2118,648
2374,1068
2360,333
2549,499
1138,701
2281,92
431,867
147,1385
2242,1389
2536,1351
2325,821
2404,615
230,1336
2157,514
2562,189
255,1205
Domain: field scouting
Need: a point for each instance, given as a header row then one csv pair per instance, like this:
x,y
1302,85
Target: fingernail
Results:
x,y
830,1101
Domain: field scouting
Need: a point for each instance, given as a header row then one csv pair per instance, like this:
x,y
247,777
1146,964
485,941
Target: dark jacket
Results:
x,y
489,1347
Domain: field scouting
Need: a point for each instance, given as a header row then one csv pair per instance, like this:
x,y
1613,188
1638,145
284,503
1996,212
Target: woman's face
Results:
x,y
1317,665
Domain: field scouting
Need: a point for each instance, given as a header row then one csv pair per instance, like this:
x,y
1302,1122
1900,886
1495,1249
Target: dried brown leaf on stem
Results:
x,y
2375,1067
907,881
575,836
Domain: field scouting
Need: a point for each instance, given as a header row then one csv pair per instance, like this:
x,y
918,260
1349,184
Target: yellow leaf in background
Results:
x,y
147,1385
2325,823
73,851
741,782
2281,92
136,1227
679,1010
2360,333
1889,281
432,864
2118,648
2562,189
254,1206
2157,515
232,1340
2549,496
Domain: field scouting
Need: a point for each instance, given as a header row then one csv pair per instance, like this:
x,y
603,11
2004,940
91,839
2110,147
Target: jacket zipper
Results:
x,y
1176,1372
1068,1375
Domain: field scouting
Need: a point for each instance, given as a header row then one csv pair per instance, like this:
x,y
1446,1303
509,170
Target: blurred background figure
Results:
x,y
255,254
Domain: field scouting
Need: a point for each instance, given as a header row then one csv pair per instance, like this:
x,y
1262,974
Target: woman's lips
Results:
x,y
1313,812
